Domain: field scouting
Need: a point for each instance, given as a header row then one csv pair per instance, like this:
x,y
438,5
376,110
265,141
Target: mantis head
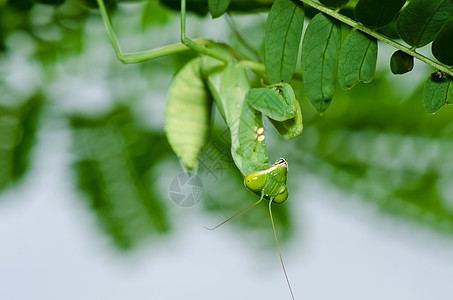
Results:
x,y
270,183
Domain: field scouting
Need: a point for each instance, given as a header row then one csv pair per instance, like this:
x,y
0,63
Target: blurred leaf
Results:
x,y
114,160
388,151
218,7
282,39
437,93
320,50
357,60
51,2
401,62
200,7
18,127
421,20
22,5
377,13
154,13
93,4
442,47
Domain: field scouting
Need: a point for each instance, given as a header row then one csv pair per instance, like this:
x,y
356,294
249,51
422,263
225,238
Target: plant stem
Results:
x,y
378,36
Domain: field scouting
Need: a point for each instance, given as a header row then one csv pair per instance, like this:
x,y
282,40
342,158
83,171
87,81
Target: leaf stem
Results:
x,y
378,36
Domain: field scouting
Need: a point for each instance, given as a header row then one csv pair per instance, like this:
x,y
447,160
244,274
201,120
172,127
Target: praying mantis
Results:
x,y
219,74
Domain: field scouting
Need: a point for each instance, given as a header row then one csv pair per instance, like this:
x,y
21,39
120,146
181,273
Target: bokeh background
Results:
x,y
85,170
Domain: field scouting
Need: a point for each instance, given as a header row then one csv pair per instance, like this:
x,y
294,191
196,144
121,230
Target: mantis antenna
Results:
x,y
236,214
279,253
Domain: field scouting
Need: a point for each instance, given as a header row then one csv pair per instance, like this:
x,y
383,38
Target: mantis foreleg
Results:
x,y
186,43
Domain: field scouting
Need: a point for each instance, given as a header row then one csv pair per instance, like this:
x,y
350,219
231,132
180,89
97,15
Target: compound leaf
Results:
x,y
442,47
357,60
320,49
282,39
437,93
401,62
377,13
421,20
218,7
334,3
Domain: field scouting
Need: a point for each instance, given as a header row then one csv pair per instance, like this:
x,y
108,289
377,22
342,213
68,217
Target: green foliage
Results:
x,y
18,126
188,114
218,7
377,13
201,6
401,63
437,93
357,60
442,47
419,23
386,149
320,49
282,39
51,2
153,13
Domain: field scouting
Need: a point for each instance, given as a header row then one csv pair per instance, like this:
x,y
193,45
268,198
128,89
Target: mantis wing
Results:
x,y
229,87
188,114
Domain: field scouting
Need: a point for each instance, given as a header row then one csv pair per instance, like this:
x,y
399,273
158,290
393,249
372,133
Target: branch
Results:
x,y
378,36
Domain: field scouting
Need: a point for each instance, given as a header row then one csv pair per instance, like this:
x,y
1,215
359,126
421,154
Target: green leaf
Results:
x,y
114,159
377,13
334,3
188,114
320,49
18,127
154,13
437,93
282,39
51,2
401,62
442,46
218,7
421,20
357,60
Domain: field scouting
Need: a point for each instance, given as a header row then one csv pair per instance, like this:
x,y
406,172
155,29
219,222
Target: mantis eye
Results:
x,y
281,196
255,182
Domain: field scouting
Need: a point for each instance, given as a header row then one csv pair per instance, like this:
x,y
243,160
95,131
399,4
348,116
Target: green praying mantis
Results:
x,y
219,74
